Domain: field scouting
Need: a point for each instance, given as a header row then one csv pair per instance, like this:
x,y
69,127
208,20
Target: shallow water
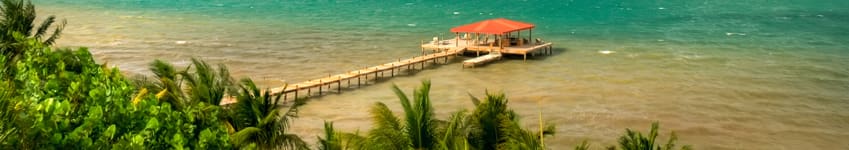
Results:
x,y
722,74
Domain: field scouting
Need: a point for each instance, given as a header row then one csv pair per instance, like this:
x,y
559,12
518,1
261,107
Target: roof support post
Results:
x,y
501,41
519,38
457,38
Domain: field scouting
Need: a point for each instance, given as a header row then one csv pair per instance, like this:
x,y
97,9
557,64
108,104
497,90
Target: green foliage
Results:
x,y
633,140
388,131
169,88
17,25
584,146
205,84
491,126
495,126
454,135
62,99
258,121
418,115
331,139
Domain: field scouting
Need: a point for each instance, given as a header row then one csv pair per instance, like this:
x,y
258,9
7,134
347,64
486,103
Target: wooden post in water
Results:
x,y
328,82
339,84
525,57
320,85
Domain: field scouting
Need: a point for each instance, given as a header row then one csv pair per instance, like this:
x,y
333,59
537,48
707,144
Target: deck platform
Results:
x,y
486,47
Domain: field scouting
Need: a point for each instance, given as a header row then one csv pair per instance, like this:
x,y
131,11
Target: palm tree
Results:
x,y
202,84
420,127
331,139
8,113
633,140
417,131
169,88
19,17
257,120
495,126
455,132
206,84
17,25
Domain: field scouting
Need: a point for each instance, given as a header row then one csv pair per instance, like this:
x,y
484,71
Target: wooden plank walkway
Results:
x,y
359,75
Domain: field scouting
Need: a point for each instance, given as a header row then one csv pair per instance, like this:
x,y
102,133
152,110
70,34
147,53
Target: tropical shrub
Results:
x,y
61,99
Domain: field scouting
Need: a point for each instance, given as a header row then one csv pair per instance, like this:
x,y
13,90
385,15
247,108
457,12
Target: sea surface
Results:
x,y
722,74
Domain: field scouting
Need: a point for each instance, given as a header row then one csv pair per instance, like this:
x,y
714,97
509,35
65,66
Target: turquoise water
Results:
x,y
724,74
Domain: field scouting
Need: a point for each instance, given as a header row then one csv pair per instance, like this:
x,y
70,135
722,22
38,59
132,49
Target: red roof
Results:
x,y
493,26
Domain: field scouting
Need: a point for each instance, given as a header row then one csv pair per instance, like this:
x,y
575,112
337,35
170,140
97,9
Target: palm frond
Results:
x,y
291,141
44,25
456,132
258,109
244,136
353,140
633,140
418,116
163,69
583,146
57,32
205,84
331,140
19,16
385,134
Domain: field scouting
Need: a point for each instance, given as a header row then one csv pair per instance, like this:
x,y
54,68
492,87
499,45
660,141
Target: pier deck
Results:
x,y
359,75
486,47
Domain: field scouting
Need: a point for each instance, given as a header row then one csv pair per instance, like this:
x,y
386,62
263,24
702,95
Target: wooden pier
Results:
x,y
360,76
439,54
501,30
